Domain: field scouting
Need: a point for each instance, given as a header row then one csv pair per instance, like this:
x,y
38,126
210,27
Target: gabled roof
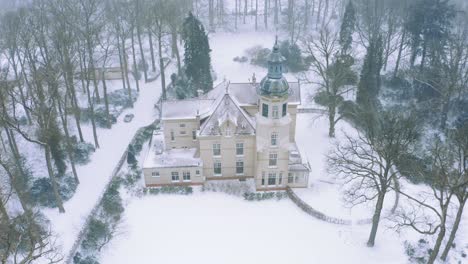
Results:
x,y
228,109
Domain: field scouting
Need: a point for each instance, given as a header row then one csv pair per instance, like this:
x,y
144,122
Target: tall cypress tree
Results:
x,y
369,84
347,28
197,55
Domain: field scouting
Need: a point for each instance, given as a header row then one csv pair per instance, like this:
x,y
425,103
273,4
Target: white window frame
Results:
x,y
194,135
186,176
215,167
271,177
275,112
280,178
273,160
240,148
155,174
263,178
274,139
197,173
175,174
181,125
217,149
237,163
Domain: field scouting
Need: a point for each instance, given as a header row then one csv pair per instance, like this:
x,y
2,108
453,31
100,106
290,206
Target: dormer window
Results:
x,y
285,109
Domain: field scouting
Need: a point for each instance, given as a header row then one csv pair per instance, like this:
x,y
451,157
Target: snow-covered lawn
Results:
x,y
218,228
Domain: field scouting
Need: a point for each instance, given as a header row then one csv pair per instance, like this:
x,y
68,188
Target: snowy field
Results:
x,y
218,228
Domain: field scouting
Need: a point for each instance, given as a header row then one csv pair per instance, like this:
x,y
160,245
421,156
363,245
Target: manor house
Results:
x,y
235,131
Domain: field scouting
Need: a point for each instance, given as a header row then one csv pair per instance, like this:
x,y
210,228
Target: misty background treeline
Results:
x,y
396,69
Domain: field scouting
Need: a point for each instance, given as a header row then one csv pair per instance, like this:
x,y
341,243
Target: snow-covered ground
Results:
x,y
96,174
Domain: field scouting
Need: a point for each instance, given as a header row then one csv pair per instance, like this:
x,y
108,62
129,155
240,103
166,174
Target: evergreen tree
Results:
x,y
429,26
369,84
197,55
347,28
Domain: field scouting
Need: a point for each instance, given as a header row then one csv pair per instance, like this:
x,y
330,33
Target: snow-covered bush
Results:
x,y
258,55
121,98
78,259
112,202
81,151
241,59
42,193
234,187
182,190
265,196
97,236
418,253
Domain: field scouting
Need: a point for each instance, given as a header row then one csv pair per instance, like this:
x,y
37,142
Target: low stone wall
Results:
x,y
315,213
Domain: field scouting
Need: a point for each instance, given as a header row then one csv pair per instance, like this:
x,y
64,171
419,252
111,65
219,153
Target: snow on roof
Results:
x,y
228,109
242,93
246,93
295,159
157,157
186,109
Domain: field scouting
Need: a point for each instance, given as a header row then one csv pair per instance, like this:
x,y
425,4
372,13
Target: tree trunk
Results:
x,y
318,13
53,182
74,101
153,61
161,65
135,66
444,112
306,15
20,88
175,48
265,14
454,230
92,69
125,66
235,13
140,43
376,218
276,13
256,15
245,9
331,121
400,49
106,99
211,14
93,121
423,56
3,210
438,244
122,69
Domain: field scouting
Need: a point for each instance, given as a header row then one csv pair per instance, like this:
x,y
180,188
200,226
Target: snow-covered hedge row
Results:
x,y
311,211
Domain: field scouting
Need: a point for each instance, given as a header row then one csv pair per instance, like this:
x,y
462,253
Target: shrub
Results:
x,y
258,56
265,196
241,59
78,259
81,151
182,190
42,193
112,202
96,236
120,97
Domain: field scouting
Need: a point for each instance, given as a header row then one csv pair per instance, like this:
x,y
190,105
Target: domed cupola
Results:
x,y
274,84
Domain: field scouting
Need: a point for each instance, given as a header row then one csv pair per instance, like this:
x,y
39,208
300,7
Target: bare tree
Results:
x,y
334,71
365,162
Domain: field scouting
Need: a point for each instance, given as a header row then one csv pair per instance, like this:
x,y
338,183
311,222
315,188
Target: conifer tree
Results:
x,y
370,81
197,55
347,28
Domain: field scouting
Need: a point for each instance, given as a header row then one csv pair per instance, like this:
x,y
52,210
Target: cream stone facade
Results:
x,y
235,131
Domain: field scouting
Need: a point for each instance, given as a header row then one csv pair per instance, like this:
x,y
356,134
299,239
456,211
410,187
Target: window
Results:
x,y
194,134
280,178
271,178
265,110
274,139
285,109
216,149
155,174
197,172
172,135
240,167
228,131
290,177
183,132
175,176
239,149
217,168
273,161
263,178
274,112
186,175
182,125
